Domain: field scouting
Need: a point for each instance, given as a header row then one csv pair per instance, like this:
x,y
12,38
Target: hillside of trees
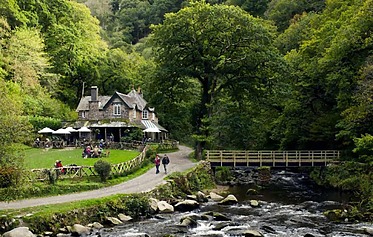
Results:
x,y
234,74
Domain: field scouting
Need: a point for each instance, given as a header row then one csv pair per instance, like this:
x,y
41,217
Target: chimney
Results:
x,y
139,91
94,93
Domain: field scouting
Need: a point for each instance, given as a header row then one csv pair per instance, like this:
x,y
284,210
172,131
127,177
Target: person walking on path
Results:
x,y
165,161
157,162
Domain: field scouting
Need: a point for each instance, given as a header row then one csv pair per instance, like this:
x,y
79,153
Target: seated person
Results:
x,y
95,152
59,165
87,152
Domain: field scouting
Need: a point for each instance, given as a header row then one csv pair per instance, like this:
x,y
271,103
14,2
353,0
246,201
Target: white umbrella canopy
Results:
x,y
151,130
71,129
61,131
84,129
46,130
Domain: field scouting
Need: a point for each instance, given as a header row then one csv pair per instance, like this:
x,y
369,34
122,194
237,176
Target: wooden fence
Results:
x,y
87,171
272,158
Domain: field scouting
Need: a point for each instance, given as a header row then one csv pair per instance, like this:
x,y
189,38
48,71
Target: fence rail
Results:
x,y
272,158
87,171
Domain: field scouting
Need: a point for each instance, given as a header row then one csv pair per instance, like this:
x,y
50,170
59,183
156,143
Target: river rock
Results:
x,y
164,207
79,230
308,235
201,197
220,217
124,218
153,203
254,203
252,233
187,205
188,222
192,197
19,232
216,197
114,221
251,191
96,225
334,215
221,225
229,200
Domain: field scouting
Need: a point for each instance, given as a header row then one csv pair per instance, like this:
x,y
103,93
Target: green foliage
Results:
x,y
282,11
103,168
354,177
39,122
221,46
136,206
133,135
364,148
223,174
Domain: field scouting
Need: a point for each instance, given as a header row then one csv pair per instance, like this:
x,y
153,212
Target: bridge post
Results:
x,y
221,158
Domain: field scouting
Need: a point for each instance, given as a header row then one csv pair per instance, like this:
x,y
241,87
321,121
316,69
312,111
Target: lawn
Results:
x,y
45,158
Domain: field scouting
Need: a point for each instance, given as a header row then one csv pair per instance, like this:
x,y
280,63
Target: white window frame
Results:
x,y
117,109
145,114
83,114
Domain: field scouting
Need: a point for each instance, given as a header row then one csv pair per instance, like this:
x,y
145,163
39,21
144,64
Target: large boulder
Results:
x,y
229,200
187,205
164,207
124,218
254,203
113,221
201,197
79,230
153,203
19,232
216,197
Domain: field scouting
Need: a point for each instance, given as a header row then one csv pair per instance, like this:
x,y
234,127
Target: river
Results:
x,y
290,206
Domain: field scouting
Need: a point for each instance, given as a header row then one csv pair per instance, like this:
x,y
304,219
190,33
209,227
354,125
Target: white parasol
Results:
x,y
71,129
84,129
61,131
46,130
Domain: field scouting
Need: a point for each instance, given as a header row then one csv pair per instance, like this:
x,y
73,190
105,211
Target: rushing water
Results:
x,y
289,206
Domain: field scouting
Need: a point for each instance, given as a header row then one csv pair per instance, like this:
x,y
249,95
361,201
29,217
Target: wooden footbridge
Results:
x,y
301,158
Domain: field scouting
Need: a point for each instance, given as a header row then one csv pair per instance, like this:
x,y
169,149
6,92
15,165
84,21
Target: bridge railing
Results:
x,y
271,158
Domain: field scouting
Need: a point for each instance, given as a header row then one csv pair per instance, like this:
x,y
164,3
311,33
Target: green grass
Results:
x,y
45,158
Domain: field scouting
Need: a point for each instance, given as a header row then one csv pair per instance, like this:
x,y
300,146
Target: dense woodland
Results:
x,y
222,74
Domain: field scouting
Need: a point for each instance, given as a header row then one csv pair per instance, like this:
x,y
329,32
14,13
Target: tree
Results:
x,y
326,67
76,48
282,11
221,47
14,130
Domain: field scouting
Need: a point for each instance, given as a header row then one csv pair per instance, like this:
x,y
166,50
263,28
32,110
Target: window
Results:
x,y
116,109
83,114
134,111
144,114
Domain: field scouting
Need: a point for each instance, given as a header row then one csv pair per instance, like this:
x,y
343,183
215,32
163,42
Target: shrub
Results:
x,y
103,169
223,174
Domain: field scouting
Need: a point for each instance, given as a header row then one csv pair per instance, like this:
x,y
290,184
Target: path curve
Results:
x,y
178,162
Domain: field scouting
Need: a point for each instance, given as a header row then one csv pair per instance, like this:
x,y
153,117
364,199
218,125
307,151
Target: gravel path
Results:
x,y
178,162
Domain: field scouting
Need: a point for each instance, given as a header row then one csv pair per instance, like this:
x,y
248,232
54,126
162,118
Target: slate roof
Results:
x,y
84,102
130,99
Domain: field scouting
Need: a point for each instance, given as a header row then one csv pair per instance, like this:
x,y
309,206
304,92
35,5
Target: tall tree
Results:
x,y
76,47
222,47
326,69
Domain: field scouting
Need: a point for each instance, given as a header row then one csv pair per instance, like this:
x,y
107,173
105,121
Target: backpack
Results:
x,y
165,160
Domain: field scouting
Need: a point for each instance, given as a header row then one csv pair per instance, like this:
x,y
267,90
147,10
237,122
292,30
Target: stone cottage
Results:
x,y
112,117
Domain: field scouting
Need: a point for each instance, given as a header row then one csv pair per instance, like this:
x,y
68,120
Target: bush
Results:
x,y
103,168
9,176
223,174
